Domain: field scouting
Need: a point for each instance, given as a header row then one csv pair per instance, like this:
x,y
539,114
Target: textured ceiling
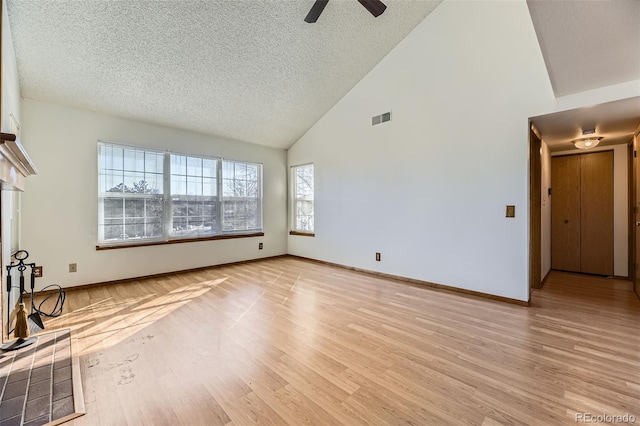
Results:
x,y
588,44
250,70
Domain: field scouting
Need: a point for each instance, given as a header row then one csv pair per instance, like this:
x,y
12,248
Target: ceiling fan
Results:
x,y
375,7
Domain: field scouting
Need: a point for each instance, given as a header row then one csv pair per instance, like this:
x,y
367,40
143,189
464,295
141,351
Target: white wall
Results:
x,y
59,209
428,190
620,205
545,245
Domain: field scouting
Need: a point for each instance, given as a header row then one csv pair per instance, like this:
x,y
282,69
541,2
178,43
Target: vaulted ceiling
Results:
x,y
250,70
253,70
587,45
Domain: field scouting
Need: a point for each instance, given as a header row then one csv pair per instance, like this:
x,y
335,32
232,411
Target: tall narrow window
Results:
x,y
303,198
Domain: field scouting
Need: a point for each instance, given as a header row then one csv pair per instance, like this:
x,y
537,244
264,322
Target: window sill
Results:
x,y
180,241
302,234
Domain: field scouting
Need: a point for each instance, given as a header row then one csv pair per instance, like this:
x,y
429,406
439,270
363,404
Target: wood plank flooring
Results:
x,y
288,341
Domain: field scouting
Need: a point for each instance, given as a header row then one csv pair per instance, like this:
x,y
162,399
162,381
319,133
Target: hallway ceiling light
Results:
x,y
586,143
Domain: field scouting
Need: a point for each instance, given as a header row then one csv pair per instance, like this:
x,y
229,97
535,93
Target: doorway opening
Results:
x,y
616,253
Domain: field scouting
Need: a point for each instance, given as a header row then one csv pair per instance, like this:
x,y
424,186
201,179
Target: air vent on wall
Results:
x,y
381,118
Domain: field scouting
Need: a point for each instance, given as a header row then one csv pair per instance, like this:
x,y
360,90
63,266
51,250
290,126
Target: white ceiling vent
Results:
x,y
381,118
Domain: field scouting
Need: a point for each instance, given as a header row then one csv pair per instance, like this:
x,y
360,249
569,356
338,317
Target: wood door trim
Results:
x,y
535,209
632,202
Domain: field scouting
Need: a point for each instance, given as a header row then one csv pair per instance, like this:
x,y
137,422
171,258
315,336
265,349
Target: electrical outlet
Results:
x,y
377,257
260,246
37,272
511,211
73,267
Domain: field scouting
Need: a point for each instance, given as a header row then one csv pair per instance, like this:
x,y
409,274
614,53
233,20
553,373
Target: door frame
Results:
x,y
535,209
634,175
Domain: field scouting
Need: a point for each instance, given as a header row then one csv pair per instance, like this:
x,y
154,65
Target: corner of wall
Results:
x,y
10,81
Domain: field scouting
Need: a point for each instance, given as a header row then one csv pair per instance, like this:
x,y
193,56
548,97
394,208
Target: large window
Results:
x,y
303,198
147,195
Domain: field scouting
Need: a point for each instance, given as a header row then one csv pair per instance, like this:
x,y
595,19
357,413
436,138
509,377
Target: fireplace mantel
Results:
x,y
15,164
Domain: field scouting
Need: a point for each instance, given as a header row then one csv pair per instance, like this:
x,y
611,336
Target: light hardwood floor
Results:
x,y
288,341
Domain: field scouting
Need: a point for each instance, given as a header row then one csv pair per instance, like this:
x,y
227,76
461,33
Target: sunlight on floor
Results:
x,y
108,322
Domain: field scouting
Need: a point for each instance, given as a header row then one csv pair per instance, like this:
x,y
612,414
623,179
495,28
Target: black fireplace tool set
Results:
x,y
32,323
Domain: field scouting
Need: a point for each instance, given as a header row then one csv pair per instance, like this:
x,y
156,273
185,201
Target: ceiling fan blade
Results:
x,y
375,7
315,11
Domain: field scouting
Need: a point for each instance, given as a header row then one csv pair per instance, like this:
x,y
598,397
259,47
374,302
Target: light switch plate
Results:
x,y
511,211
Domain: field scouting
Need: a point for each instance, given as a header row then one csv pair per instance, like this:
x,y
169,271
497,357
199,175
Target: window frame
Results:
x,y
169,176
294,201
258,197
167,196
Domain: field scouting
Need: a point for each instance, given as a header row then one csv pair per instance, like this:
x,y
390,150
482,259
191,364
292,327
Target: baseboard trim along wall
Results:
x,y
338,265
421,283
160,275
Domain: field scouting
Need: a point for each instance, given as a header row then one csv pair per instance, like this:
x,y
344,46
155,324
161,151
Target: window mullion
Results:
x,y
293,196
124,217
167,217
124,209
220,198
295,199
260,199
